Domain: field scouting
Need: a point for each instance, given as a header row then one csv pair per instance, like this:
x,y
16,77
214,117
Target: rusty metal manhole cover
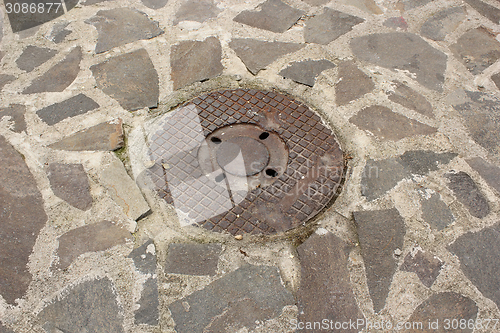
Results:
x,y
245,161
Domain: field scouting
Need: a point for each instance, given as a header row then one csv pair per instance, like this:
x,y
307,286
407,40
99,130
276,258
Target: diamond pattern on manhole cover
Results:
x,y
245,161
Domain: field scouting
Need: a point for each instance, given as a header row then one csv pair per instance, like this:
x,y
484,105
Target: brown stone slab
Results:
x,y
411,99
439,25
490,12
193,259
5,78
15,112
306,71
467,192
425,265
353,83
328,26
70,183
34,56
196,10
70,107
489,172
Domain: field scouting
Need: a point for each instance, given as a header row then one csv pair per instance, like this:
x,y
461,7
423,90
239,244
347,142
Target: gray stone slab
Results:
x,y
328,26
490,12
467,192
442,23
257,55
411,4
496,79
197,11
259,287
59,32
272,15
396,23
148,312
381,176
120,26
5,79
15,112
352,84
90,307
306,71
58,77
22,216
388,125
441,309
436,212
71,107
105,136
70,183
477,49
489,172
479,260
411,99
34,56
154,4
145,257
325,286
193,259
89,238
403,51
21,22
421,162
380,234
425,265
368,6
194,61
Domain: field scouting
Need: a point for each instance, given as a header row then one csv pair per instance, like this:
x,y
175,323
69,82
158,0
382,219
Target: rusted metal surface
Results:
x,y
246,161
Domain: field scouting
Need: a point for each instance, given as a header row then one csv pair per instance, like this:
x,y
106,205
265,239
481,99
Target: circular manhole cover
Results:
x,y
245,161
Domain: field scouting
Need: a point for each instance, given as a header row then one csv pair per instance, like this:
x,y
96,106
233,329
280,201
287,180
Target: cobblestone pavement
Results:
x,y
409,87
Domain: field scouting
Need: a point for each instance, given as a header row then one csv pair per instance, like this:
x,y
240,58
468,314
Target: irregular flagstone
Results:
x,y
257,55
324,259
120,26
71,107
410,99
34,56
353,83
22,216
489,172
328,26
425,265
272,15
421,162
129,78
368,6
467,192
145,257
5,78
380,234
193,259
396,22
305,72
436,212
90,238
154,4
442,23
438,308
410,4
90,306
59,32
479,260
388,125
259,287
194,61
124,191
490,12
477,50
403,51
196,10
21,22
15,112
60,76
148,313
381,176
70,183
105,136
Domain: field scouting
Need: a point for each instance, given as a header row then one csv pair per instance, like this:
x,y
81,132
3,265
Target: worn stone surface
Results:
x,y
324,258
196,10
316,2
380,234
477,50
58,77
21,22
436,212
71,107
193,259
490,12
421,162
70,183
194,61
257,55
368,6
129,78
381,176
328,26
403,51
495,78
306,71
442,23
272,15
154,4
59,32
396,23
424,264
5,78
489,172
89,238
410,99
148,313
442,306
352,84
479,260
410,4
105,136
388,125
4,329
259,287
124,191
34,56
145,257
467,192
121,26
90,306
22,216
15,113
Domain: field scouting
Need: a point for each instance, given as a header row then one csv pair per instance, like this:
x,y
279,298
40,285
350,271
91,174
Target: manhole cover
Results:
x,y
245,161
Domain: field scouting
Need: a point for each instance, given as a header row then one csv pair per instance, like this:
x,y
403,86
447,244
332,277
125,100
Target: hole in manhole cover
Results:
x,y
244,161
